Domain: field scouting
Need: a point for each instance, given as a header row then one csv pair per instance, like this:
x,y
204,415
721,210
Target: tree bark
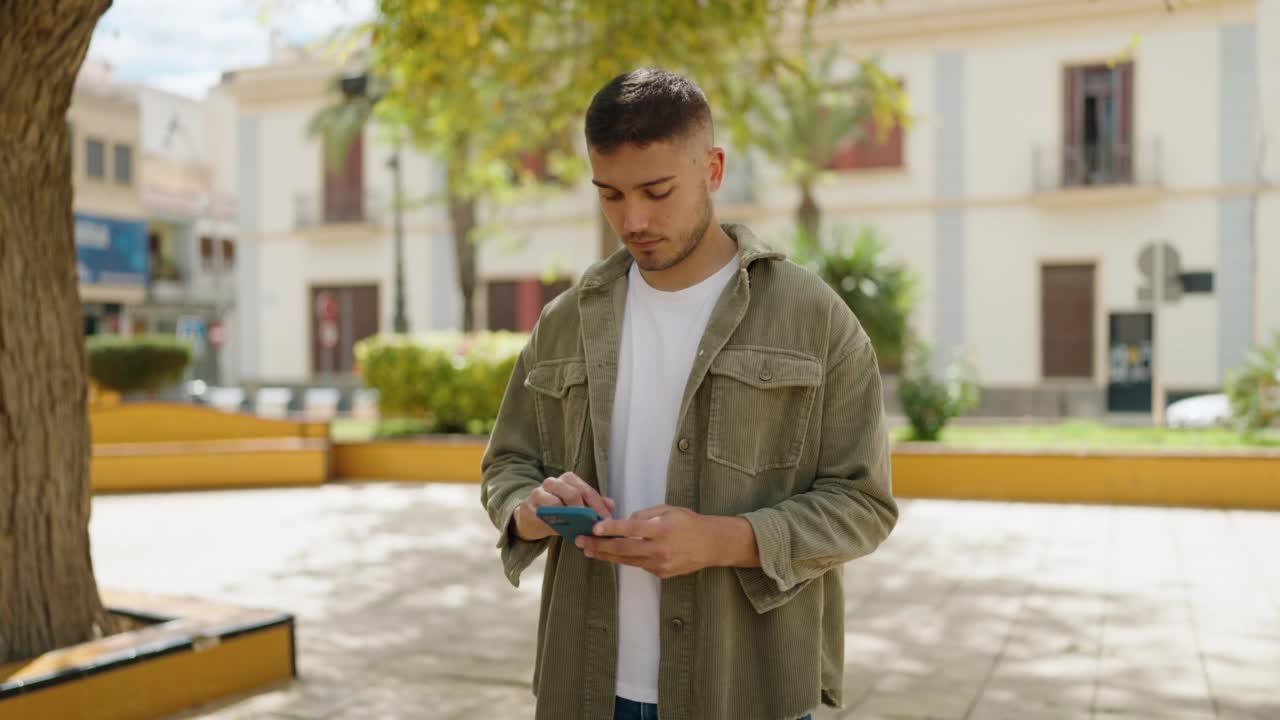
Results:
x,y
462,216
48,596
808,217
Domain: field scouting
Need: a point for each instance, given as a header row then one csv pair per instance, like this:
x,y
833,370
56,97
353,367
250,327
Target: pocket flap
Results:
x,y
555,377
767,369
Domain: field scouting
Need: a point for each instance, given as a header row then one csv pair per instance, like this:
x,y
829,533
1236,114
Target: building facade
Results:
x,y
110,222
1051,157
191,226
1057,176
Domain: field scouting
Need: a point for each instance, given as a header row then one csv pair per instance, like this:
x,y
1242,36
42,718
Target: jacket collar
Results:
x,y
750,249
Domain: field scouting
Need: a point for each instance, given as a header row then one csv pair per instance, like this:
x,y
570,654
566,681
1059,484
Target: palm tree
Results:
x,y
799,114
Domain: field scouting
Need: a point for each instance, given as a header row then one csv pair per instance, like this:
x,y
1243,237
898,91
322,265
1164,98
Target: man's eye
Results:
x,y
657,196
615,197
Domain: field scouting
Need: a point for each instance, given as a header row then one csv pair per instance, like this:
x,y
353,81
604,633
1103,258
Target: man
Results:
x,y
721,408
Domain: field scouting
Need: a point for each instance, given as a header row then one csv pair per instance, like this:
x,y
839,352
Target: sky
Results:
x,y
183,46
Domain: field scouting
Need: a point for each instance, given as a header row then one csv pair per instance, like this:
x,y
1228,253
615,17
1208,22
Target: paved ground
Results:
x,y
971,610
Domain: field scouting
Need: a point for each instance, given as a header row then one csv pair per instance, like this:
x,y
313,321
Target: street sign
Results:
x,y
1171,289
192,329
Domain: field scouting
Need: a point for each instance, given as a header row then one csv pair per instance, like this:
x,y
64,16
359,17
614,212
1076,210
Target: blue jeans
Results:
x,y
624,709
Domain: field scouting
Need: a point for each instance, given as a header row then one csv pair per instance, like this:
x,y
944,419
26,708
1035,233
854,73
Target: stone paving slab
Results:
x,y
970,610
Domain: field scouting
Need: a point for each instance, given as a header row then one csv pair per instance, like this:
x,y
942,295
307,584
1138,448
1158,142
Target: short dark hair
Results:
x,y
645,106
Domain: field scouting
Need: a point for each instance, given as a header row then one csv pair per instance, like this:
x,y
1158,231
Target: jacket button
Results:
x,y
683,444
677,624
766,375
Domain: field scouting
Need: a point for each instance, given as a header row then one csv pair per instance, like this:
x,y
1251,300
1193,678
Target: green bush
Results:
x,y
454,380
1254,388
144,363
879,293
931,401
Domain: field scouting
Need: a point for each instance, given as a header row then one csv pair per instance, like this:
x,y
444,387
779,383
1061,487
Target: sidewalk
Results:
x,y
970,610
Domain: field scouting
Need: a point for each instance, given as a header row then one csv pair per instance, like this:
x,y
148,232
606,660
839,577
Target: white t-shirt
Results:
x,y
660,335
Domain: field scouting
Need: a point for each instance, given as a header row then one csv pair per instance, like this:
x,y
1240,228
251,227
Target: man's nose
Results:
x,y
635,219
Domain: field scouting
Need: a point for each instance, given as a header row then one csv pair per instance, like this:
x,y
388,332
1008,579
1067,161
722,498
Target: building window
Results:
x,y
344,185
164,263
123,164
516,304
1097,144
206,252
869,151
1066,320
228,253
95,159
873,147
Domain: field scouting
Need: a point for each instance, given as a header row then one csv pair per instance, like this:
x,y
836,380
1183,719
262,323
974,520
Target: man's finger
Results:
x,y
650,513
590,496
541,498
630,528
626,551
569,494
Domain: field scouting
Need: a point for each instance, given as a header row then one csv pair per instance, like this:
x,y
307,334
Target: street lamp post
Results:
x,y
400,321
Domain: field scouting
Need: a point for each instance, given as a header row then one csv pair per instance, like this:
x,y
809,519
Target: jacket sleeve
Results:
x,y
850,509
512,468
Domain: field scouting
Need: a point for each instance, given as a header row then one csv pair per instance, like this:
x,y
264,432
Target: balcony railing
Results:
x,y
337,208
1064,167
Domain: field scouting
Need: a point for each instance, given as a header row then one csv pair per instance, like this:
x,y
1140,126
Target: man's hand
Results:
x,y
568,490
670,541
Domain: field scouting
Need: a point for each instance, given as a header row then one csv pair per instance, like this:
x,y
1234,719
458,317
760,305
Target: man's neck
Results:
x,y
714,251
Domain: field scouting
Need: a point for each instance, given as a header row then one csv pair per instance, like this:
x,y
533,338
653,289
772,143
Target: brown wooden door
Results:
x,y
1066,320
516,304
341,316
501,304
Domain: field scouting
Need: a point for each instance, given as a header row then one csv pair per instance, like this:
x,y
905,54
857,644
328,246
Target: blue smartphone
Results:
x,y
570,522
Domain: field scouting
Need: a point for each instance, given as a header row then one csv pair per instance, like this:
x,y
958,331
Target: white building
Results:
x,y
1036,172
191,224
154,213
110,233
316,268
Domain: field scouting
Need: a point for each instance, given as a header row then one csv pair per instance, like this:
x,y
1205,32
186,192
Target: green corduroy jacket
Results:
x,y
782,423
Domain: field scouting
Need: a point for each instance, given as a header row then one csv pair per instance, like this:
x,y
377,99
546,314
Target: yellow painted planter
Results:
x,y
1249,480
177,422
195,653
268,462
444,459
169,446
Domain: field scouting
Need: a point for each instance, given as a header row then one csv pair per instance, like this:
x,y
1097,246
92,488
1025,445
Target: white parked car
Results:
x,y
1200,411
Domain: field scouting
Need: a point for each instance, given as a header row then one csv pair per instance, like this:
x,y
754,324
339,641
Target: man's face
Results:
x,y
658,197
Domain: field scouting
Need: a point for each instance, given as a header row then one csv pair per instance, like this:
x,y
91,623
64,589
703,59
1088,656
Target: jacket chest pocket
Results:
x,y
761,401
559,390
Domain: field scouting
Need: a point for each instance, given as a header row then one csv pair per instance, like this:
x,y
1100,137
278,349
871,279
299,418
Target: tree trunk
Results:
x,y
808,218
608,240
48,597
462,216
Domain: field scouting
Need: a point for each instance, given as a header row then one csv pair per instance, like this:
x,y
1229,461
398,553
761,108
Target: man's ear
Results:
x,y
715,168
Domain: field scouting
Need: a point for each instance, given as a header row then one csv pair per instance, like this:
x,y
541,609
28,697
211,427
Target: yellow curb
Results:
x,y
178,422
1249,479
446,459
1245,480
